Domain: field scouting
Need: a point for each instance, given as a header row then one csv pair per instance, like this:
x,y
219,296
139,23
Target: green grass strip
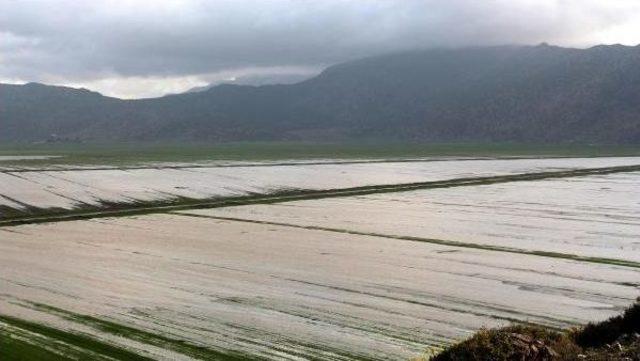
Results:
x,y
16,350
13,349
142,336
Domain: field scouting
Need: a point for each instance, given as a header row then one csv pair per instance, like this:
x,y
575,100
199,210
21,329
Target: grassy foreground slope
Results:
x,y
617,339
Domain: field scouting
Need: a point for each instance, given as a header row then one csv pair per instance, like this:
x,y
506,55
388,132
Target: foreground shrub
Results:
x,y
599,334
511,343
617,339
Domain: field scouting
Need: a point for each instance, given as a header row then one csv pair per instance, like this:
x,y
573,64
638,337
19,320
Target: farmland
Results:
x,y
354,257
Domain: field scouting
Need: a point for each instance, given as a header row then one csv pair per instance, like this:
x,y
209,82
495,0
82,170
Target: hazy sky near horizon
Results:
x,y
144,48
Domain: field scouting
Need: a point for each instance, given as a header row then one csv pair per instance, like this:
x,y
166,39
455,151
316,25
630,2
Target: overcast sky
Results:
x,y
146,48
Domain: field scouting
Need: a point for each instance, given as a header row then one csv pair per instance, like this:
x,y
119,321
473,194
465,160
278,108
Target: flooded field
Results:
x,y
596,216
73,188
381,276
255,288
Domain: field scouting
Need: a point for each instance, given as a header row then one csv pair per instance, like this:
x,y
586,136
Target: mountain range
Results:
x,y
541,94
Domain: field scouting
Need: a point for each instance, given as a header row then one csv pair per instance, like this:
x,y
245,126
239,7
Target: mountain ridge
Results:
x,y
543,93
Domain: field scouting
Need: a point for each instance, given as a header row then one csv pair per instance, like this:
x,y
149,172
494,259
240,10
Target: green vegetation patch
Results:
x,y
123,154
79,347
13,349
295,349
142,336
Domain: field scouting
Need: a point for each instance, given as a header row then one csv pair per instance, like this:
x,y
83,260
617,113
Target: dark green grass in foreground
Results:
x,y
65,345
18,350
135,334
139,153
15,349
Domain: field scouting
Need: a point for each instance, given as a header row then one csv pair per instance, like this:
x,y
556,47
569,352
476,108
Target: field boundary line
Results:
x,y
442,242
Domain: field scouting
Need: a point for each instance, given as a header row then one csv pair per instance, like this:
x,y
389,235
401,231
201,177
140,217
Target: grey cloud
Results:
x,y
89,40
